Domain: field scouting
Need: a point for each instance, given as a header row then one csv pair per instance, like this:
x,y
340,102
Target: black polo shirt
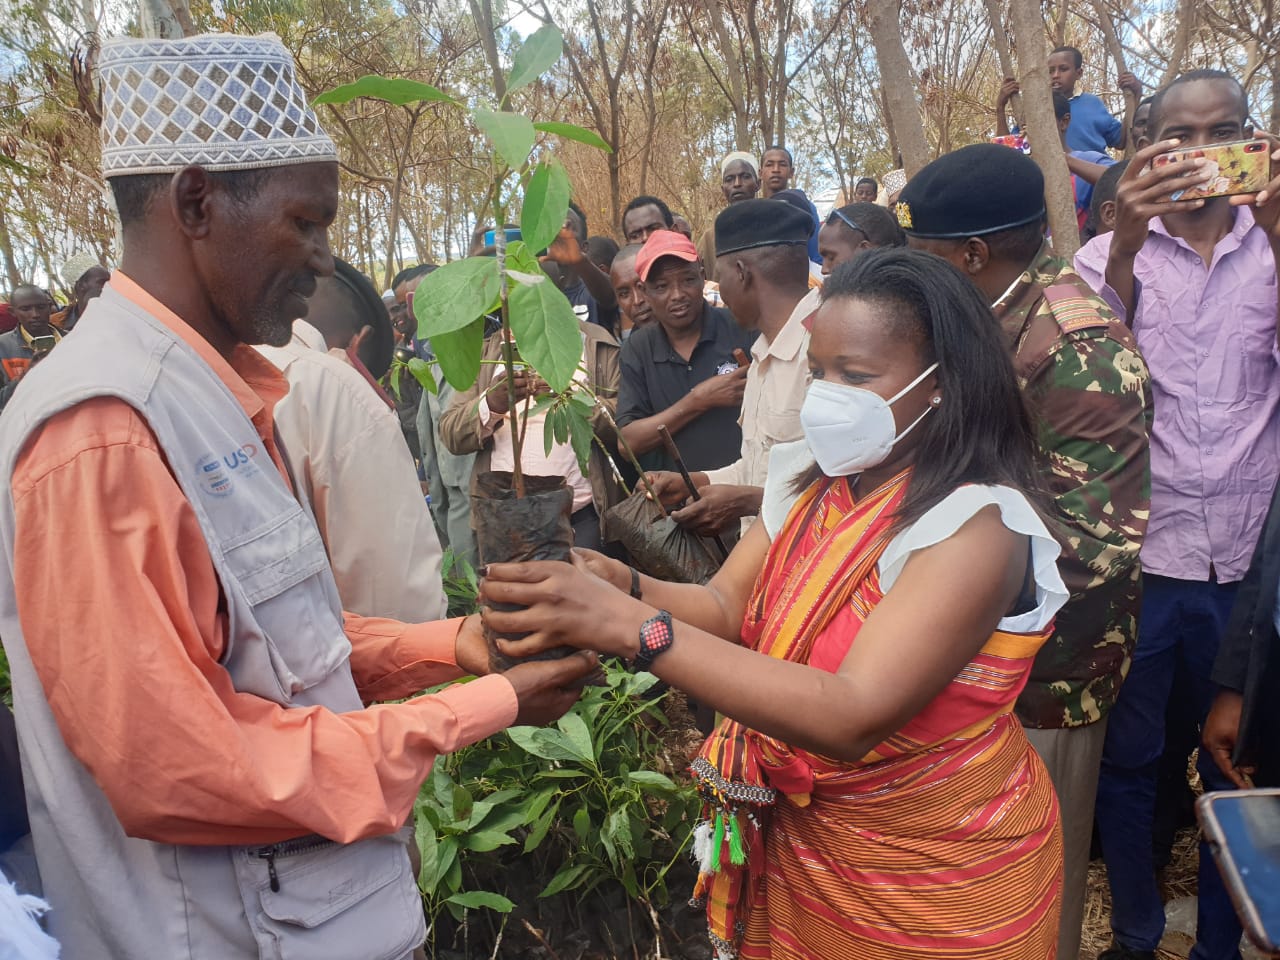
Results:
x,y
654,377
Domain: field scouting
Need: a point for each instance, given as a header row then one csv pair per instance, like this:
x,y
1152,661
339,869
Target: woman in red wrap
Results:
x,y
869,793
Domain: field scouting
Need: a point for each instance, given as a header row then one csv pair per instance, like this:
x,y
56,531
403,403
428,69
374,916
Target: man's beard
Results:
x,y
270,327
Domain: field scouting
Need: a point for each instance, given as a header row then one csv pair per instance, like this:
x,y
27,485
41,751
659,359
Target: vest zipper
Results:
x,y
288,848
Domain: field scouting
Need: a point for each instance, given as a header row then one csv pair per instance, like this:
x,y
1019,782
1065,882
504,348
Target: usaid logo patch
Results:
x,y
217,474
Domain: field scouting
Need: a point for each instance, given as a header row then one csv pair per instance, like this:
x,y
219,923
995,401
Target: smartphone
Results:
x,y
1243,830
1016,141
1240,167
512,233
43,344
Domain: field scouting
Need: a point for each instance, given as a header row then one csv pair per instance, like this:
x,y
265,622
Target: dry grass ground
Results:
x,y
1179,882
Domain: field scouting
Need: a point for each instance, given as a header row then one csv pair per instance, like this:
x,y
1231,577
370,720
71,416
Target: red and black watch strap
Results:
x,y
656,637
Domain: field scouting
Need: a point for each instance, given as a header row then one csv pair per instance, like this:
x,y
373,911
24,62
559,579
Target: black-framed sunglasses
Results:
x,y
837,215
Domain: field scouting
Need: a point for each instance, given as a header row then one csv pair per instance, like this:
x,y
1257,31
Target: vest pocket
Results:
x,y
289,626
330,901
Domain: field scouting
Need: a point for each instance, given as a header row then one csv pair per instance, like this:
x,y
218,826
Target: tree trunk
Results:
x,y
1275,96
1183,30
165,19
11,270
1112,40
1004,50
897,82
482,13
733,75
1046,146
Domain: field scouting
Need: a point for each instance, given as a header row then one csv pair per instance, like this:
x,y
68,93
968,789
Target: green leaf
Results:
x,y
508,817
455,295
426,837
546,204
462,803
582,823
423,373
511,134
617,827
482,841
653,780
571,131
459,353
575,729
536,807
395,90
476,899
580,433
542,742
435,871
569,876
546,330
540,828
538,54
549,430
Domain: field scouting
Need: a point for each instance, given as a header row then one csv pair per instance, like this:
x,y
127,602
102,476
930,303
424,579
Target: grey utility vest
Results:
x,y
125,897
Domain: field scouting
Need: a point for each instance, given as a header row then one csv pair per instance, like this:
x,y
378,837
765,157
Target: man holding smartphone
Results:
x,y
1196,281
30,340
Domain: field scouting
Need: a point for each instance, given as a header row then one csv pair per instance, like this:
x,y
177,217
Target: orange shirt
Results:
x,y
123,617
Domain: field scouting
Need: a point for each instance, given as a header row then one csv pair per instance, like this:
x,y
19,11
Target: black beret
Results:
x,y
761,223
980,189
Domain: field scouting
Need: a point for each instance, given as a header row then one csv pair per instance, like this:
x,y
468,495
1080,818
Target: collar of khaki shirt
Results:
x,y
786,345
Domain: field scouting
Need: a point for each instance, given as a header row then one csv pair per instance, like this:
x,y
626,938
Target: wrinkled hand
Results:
x,y
720,506
1266,203
499,398
1008,90
722,390
565,248
546,689
1221,729
613,572
1143,192
564,604
1129,82
670,486
469,649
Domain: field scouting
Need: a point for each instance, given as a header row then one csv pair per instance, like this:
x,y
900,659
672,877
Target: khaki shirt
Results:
x,y
776,384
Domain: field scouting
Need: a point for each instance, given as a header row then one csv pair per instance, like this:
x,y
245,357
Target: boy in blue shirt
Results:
x,y
1092,125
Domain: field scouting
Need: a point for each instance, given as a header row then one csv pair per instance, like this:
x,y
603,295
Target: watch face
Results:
x,y
655,637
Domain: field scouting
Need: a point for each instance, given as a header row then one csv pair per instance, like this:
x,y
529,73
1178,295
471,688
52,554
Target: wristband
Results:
x,y
635,583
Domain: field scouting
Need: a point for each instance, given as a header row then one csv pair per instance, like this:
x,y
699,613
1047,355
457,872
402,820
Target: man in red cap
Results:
x,y
682,371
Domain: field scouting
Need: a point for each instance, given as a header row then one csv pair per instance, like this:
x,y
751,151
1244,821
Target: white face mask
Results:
x,y
850,429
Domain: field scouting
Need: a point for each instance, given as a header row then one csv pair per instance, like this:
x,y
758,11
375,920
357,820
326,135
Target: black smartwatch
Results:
x,y
656,636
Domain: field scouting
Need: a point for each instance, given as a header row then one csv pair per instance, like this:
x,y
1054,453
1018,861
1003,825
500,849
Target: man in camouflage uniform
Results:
x,y
1086,386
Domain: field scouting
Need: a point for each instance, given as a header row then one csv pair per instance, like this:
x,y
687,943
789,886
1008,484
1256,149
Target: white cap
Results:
x,y
217,100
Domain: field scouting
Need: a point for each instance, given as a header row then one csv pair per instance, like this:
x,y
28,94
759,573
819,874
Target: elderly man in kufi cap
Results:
x,y
86,277
1088,391
739,180
202,777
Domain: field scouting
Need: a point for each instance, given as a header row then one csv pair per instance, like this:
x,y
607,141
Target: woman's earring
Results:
x,y
936,401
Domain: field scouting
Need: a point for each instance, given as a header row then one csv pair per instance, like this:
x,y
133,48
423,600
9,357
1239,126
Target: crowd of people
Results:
x,y
1004,525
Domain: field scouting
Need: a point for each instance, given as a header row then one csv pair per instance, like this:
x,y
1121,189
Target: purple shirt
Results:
x,y
1209,339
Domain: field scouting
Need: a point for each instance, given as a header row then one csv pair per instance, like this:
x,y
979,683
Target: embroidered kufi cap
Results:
x,y
220,101
893,181
77,265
